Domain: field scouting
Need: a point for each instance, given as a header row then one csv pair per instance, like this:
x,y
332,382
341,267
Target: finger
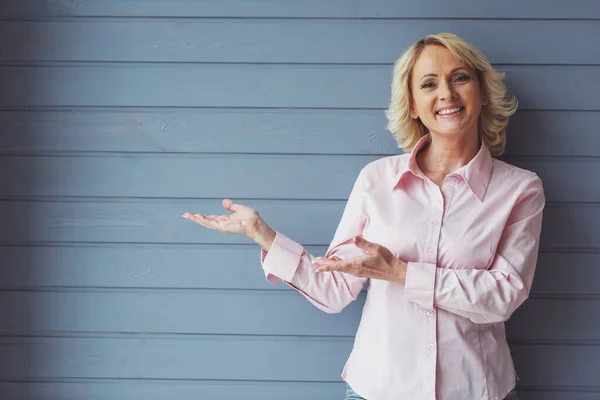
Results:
x,y
192,216
341,266
231,205
326,268
325,260
201,219
362,243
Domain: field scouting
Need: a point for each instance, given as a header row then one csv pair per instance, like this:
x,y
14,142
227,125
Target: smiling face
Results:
x,y
446,93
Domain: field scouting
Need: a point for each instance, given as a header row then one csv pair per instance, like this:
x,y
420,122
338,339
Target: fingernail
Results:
x,y
184,216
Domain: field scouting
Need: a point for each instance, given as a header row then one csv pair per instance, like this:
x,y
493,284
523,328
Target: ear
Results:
x,y
413,112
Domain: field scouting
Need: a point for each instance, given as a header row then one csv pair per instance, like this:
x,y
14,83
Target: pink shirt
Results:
x,y
471,248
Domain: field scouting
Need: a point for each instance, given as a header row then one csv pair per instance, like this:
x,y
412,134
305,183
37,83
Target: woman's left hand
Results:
x,y
378,263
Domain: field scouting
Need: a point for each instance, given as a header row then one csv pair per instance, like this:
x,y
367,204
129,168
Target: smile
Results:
x,y
450,111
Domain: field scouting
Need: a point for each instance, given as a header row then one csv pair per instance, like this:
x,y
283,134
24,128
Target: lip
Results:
x,y
447,108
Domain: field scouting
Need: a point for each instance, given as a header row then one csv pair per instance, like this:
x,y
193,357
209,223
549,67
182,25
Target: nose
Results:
x,y
447,91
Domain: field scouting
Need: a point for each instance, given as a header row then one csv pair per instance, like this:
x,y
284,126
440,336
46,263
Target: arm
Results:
x,y
492,295
286,260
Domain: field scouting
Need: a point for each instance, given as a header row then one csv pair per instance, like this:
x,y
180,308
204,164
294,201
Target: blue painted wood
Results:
x,y
557,366
253,313
579,9
104,389
563,394
537,133
296,41
240,176
559,320
159,221
52,102
202,357
176,357
242,85
177,267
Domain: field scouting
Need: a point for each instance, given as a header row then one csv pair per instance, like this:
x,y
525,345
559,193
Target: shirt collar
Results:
x,y
476,174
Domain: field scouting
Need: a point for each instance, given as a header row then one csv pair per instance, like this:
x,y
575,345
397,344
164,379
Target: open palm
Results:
x,y
243,221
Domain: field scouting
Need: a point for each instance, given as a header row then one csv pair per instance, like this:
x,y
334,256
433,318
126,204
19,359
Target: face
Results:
x,y
446,93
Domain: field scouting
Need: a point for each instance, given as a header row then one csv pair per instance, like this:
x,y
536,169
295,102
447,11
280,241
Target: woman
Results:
x,y
446,236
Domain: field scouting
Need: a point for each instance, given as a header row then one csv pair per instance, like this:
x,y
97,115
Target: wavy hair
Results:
x,y
494,116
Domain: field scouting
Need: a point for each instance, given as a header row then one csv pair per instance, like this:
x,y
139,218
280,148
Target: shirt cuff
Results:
x,y
420,284
282,260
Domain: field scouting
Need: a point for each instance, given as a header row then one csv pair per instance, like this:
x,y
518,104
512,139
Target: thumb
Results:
x,y
230,205
365,244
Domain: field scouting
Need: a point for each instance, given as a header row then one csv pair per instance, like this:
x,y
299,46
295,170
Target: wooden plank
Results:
x,y
567,273
530,394
553,133
576,230
192,176
241,176
537,365
269,85
164,389
177,267
201,131
556,320
248,358
580,9
537,133
290,41
183,312
219,390
159,221
261,358
229,312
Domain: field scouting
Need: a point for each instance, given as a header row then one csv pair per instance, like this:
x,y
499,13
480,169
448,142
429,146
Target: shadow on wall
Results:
x,y
547,333
21,352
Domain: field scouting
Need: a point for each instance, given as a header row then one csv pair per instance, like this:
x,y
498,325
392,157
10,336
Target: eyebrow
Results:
x,y
453,71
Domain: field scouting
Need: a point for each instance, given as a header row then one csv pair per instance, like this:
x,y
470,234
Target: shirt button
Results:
x,y
430,346
429,313
435,223
430,252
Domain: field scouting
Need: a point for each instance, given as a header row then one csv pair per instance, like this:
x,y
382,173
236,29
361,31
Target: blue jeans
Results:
x,y
351,395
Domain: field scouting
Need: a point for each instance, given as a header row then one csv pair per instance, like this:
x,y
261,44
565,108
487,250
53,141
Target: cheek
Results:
x,y
424,105
473,95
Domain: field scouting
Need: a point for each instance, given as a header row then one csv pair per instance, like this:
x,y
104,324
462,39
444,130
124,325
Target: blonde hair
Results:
x,y
493,118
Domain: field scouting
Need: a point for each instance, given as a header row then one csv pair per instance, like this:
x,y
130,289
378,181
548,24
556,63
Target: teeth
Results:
x,y
450,111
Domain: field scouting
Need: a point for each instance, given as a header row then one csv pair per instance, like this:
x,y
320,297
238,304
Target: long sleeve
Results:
x,y
331,291
493,294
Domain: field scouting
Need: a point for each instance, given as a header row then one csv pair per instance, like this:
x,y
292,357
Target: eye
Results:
x,y
427,85
462,78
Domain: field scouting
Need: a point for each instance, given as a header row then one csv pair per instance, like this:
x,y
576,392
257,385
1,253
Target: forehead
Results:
x,y
435,59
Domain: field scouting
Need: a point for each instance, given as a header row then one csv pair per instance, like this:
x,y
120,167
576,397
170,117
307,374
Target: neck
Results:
x,y
445,155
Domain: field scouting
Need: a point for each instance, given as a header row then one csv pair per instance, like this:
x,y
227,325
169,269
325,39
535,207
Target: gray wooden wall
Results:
x,y
117,116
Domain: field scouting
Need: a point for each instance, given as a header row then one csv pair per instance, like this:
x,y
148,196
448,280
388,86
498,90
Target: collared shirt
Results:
x,y
471,246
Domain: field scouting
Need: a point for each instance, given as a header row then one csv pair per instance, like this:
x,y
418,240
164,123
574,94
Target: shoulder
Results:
x,y
384,170
520,180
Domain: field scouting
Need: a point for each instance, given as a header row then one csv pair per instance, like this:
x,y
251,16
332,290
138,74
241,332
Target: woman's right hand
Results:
x,y
244,221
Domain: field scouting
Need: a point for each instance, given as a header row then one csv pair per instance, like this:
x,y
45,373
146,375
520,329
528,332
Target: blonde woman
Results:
x,y
445,235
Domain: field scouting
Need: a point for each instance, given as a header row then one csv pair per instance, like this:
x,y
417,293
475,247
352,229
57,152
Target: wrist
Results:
x,y
263,235
400,271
